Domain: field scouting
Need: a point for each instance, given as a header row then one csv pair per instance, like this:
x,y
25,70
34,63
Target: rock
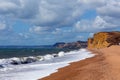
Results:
x,y
14,62
30,60
59,45
104,39
55,55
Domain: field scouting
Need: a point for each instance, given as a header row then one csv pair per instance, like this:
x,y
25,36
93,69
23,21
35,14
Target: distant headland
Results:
x,y
71,45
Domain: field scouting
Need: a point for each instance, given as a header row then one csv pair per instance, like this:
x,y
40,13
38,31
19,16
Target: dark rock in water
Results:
x,y
23,61
14,62
72,45
55,55
30,60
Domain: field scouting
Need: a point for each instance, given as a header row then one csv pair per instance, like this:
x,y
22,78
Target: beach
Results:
x,y
104,66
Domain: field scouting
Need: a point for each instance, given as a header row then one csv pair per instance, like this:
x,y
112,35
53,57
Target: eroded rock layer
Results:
x,y
104,39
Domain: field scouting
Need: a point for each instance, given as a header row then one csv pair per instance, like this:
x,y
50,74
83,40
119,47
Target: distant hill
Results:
x,y
72,45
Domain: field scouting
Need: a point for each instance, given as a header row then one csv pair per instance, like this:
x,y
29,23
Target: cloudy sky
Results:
x,y
44,22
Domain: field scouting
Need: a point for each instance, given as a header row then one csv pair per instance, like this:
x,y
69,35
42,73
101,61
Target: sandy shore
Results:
x,y
104,66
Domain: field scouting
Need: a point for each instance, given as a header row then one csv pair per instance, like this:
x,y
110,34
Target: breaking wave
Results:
x,y
27,60
38,66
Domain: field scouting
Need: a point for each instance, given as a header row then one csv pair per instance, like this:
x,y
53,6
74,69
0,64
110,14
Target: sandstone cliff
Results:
x,y
104,39
72,45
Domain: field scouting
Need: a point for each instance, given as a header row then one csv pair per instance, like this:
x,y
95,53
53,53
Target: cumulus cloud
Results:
x,y
2,26
39,30
112,9
23,35
93,3
91,35
57,13
110,12
44,12
98,24
7,7
50,17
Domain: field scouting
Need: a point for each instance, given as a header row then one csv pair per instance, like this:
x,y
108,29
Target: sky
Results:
x,y
45,22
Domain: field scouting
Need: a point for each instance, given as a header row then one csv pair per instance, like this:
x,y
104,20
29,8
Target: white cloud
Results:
x,y
25,36
50,17
98,24
55,13
93,3
39,29
44,12
57,31
91,35
102,24
112,9
110,12
7,7
80,37
2,26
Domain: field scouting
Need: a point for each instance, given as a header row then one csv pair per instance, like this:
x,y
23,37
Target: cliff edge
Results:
x,y
104,39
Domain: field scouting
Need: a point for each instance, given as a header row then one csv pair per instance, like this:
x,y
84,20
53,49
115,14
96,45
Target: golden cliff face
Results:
x,y
104,39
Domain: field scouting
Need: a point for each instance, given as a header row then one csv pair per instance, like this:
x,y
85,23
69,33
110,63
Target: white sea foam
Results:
x,y
48,56
60,54
40,69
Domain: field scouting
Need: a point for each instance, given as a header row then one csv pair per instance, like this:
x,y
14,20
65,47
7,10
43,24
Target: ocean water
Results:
x,y
25,51
37,63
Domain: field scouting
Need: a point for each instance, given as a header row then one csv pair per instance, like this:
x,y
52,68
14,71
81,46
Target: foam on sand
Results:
x,y
43,68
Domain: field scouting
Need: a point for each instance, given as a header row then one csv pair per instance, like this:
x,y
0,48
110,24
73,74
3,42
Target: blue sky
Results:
x,y
45,22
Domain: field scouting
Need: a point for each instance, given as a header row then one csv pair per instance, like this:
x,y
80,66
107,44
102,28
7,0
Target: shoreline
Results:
x,y
100,67
40,69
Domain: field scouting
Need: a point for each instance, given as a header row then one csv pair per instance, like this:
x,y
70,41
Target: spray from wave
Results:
x,y
27,60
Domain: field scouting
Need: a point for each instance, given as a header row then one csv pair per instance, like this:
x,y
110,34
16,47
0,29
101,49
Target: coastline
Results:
x,y
103,66
42,68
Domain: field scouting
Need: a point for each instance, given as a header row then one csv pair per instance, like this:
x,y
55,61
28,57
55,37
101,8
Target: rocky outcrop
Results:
x,y
59,44
72,45
104,39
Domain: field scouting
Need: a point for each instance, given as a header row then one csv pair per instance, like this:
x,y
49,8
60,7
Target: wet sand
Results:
x,y
104,66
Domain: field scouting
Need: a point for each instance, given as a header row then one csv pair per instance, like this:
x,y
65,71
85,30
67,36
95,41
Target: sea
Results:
x,y
36,62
